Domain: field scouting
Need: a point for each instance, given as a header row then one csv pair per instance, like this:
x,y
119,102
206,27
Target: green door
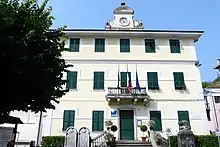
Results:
x,y
126,125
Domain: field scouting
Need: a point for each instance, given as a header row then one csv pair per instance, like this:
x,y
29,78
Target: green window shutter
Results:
x,y
156,116
98,80
179,82
74,44
68,119
183,115
174,46
124,45
150,46
99,45
72,80
124,78
97,120
152,80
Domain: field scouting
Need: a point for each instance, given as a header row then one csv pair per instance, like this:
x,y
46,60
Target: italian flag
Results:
x,y
129,82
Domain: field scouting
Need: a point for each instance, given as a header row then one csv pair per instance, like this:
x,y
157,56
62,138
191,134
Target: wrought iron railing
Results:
x,y
123,91
99,141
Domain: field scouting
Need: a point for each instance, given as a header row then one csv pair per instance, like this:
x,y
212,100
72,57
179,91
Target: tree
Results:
x,y
30,57
214,84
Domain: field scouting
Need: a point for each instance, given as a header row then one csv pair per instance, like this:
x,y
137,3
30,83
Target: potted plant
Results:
x,y
109,136
151,124
143,129
114,128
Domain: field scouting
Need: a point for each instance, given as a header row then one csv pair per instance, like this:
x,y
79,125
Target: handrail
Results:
x,y
98,140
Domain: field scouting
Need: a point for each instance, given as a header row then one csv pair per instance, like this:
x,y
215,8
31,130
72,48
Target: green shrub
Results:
x,y
201,141
53,141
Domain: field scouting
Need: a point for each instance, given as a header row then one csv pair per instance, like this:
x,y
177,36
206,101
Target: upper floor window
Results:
x,y
174,46
152,80
124,45
98,81
179,82
71,80
74,44
99,45
217,99
150,46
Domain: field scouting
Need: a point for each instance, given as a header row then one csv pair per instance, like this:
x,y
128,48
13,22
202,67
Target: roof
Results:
x,y
185,34
123,9
10,120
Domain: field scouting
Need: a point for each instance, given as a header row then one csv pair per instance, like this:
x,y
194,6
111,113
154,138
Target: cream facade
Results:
x,y
112,102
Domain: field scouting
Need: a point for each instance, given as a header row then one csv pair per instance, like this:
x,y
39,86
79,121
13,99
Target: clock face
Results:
x,y
124,21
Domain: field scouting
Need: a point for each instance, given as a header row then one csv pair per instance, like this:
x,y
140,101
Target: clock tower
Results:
x,y
123,19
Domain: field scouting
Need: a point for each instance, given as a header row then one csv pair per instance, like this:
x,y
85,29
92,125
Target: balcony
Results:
x,y
122,95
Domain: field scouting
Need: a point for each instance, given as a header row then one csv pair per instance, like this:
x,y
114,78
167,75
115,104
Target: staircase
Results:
x,y
132,143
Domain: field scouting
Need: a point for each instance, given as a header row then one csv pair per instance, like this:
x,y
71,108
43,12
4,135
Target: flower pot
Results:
x,y
144,139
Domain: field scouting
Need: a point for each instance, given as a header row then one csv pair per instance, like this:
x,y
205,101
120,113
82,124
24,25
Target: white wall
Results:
x,y
112,50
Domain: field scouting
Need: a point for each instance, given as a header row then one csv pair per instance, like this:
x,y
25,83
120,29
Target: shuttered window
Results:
x,y
68,119
74,44
71,80
152,80
124,45
156,116
174,46
179,82
150,46
99,45
124,78
183,115
97,120
98,80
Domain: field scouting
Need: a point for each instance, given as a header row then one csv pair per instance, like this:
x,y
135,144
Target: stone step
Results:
x,y
132,143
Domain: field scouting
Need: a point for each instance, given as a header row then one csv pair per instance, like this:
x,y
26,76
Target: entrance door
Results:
x,y
126,124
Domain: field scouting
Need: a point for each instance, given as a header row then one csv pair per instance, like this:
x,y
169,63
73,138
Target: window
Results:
x,y
124,45
97,120
217,99
175,46
98,80
156,116
150,46
72,80
152,81
68,119
183,115
74,44
99,45
179,82
124,78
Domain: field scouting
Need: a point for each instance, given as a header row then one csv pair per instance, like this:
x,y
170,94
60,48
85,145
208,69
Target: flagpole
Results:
x,y
118,76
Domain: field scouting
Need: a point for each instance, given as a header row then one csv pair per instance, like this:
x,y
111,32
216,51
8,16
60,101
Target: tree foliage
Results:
x,y
30,57
213,84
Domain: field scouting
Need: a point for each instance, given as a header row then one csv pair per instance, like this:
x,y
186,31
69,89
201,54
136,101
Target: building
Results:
x,y
107,63
212,100
28,131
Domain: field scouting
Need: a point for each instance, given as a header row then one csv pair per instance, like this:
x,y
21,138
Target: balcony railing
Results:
x,y
123,91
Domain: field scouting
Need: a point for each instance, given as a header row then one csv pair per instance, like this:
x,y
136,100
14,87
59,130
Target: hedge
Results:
x,y
201,141
53,141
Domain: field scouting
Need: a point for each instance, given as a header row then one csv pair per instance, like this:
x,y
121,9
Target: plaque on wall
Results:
x,y
113,113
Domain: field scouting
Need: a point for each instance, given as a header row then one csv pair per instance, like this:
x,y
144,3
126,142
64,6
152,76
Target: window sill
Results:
x,y
73,90
98,90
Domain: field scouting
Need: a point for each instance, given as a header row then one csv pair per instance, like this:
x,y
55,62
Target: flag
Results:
x,y
129,82
137,83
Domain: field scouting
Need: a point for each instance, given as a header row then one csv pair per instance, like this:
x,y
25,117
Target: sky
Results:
x,y
156,14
